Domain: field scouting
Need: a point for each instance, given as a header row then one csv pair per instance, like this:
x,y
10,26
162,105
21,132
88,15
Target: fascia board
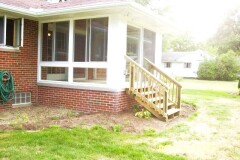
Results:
x,y
38,13
131,7
17,10
157,19
83,8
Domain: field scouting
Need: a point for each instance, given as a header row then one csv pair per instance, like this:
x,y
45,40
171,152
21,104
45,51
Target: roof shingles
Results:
x,y
44,4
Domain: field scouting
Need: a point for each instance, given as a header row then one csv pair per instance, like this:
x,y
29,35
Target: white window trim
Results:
x,y
70,64
22,31
3,46
5,30
9,48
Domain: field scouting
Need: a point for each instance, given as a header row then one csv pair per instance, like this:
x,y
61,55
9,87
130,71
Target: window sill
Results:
x,y
82,86
21,105
9,49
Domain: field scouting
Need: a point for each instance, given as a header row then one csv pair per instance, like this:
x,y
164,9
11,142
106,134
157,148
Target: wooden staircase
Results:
x,y
154,89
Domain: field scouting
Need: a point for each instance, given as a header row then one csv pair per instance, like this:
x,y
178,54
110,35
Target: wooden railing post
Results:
x,y
174,86
165,107
179,97
132,77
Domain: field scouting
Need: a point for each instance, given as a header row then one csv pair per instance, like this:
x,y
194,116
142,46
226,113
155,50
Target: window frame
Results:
x,y
19,33
146,42
187,65
167,64
139,41
55,42
89,33
70,64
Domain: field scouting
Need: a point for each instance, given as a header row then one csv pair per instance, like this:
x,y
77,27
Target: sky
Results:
x,y
200,18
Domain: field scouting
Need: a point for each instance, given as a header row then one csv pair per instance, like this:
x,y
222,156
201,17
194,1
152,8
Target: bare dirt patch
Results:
x,y
36,118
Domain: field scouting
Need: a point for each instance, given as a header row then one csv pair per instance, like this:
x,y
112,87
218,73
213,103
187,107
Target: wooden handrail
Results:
x,y
153,88
146,71
142,82
174,86
163,73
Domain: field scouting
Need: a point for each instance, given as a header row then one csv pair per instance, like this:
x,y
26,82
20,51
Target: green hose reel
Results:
x,y
6,86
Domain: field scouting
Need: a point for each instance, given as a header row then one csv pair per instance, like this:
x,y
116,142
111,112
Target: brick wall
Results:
x,y
23,64
84,100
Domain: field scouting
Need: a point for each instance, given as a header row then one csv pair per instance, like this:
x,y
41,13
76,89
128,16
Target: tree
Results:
x,y
179,43
225,67
143,2
228,35
207,70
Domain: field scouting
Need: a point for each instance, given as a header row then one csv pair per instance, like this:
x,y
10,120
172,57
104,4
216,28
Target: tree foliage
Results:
x,y
207,70
225,67
228,35
179,43
143,2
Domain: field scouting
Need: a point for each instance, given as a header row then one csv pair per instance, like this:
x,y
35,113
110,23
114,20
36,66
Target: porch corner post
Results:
x,y
70,52
158,49
117,30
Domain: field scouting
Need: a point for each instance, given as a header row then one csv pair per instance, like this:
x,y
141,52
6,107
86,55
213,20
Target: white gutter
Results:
x,y
37,13
18,10
158,19
132,6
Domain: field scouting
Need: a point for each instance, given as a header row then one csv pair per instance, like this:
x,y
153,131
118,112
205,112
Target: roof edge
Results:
x,y
38,13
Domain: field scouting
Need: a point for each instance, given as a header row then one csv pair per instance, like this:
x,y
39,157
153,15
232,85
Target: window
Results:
x,y
1,30
54,73
149,45
89,52
91,40
11,32
96,75
187,65
22,98
167,65
55,41
133,42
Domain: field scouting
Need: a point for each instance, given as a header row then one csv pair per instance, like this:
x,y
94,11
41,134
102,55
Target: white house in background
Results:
x,y
183,64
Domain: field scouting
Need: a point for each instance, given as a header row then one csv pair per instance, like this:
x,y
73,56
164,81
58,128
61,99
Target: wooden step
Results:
x,y
149,93
161,105
172,111
155,99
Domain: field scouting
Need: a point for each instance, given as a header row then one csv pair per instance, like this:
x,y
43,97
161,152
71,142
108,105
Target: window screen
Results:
x,y
1,30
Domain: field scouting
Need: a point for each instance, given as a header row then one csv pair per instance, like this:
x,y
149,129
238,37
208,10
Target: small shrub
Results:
x,y
143,114
117,128
207,70
136,108
225,68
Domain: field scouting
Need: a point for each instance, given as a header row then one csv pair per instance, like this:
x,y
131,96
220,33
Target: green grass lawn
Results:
x,y
75,143
213,132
